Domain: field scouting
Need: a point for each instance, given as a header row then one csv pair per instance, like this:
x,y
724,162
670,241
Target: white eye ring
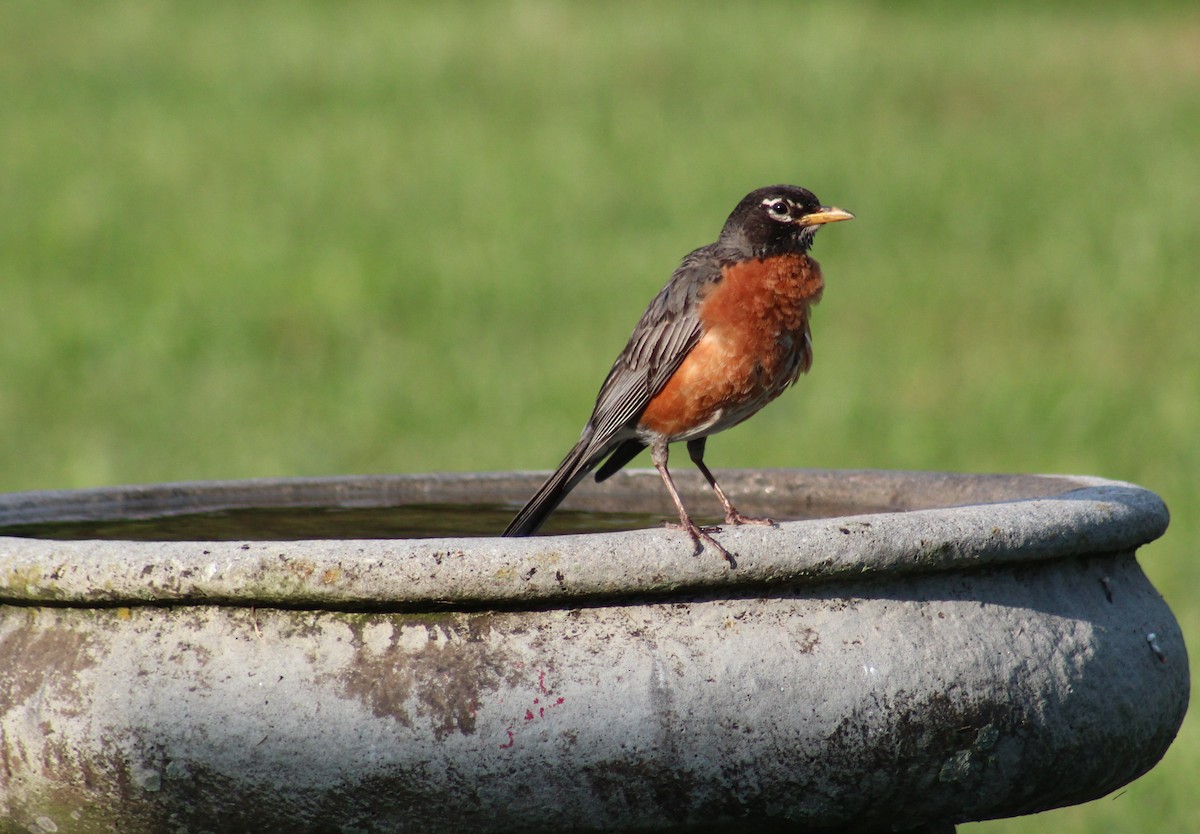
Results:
x,y
778,208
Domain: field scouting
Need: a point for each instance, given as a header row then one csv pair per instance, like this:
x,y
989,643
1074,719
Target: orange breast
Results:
x,y
754,344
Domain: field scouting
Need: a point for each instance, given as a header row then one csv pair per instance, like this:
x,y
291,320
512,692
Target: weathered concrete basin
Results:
x,y
948,648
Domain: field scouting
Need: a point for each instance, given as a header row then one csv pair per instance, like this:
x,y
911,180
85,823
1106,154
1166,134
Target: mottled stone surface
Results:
x,y
869,672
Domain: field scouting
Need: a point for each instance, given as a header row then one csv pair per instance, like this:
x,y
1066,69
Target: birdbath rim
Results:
x,y
910,522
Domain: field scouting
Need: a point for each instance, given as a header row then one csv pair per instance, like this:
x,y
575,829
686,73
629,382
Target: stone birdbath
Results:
x,y
912,651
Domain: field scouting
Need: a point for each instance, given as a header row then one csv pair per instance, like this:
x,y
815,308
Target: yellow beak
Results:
x,y
825,214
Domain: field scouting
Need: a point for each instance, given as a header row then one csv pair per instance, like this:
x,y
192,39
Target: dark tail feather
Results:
x,y
627,451
574,468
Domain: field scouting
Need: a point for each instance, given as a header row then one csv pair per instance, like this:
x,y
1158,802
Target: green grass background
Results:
x,y
302,238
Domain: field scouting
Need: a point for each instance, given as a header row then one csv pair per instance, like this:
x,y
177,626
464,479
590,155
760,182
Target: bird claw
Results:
x,y
734,517
694,530
702,535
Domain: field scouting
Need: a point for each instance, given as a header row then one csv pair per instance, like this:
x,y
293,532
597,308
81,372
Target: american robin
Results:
x,y
725,336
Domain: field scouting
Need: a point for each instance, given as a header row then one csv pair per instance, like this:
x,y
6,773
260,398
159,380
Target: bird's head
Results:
x,y
777,220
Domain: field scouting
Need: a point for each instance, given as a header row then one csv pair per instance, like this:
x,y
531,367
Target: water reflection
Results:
x,y
293,524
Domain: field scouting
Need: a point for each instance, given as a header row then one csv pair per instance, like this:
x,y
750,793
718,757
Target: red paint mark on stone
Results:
x,y
511,739
537,702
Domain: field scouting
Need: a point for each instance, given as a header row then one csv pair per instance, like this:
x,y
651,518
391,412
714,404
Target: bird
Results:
x,y
727,334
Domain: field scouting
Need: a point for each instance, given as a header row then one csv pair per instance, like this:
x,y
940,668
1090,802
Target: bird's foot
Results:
x,y
693,529
732,516
703,535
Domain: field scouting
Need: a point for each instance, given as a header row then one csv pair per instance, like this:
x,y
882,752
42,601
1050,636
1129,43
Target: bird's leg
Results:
x,y
658,453
732,516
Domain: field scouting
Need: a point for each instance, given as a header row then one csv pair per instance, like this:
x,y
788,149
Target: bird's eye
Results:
x,y
779,209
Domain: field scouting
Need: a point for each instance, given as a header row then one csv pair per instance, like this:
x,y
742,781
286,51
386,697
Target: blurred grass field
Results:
x,y
305,238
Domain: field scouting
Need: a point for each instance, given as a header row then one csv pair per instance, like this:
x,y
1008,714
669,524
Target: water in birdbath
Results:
x,y
299,523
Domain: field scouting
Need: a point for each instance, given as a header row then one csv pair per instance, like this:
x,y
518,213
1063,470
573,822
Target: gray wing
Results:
x,y
664,336
668,330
